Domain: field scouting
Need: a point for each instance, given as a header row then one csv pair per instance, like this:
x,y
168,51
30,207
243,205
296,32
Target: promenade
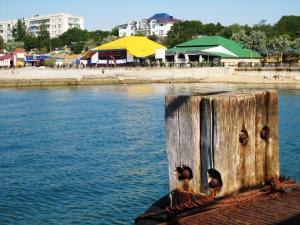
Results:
x,y
33,76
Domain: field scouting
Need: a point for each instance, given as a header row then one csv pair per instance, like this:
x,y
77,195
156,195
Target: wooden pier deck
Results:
x,y
272,209
278,203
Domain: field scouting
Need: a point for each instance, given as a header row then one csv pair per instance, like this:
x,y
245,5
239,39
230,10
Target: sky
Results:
x,y
105,14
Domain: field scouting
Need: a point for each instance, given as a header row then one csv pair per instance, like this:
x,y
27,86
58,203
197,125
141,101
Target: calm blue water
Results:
x,y
96,155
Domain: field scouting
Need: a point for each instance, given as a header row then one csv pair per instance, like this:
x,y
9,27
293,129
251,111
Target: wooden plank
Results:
x,y
206,142
172,137
260,144
246,158
224,141
189,137
272,146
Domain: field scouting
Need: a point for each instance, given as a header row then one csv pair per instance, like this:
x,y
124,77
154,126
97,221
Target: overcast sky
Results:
x,y
102,14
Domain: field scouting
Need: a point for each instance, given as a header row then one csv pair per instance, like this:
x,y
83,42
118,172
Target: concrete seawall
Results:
x,y
27,77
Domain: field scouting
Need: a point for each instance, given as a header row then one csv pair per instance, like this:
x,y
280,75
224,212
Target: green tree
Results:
x,y
115,32
50,62
240,37
264,27
257,41
211,29
43,50
228,31
295,45
43,33
109,39
78,47
99,35
74,35
288,25
20,30
89,44
153,37
183,31
278,45
11,46
1,43
30,42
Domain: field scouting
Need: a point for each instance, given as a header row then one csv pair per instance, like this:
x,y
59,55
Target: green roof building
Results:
x,y
211,48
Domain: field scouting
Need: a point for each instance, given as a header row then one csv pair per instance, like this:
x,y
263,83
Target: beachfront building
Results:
x,y
56,24
19,57
125,50
211,49
159,24
14,59
6,60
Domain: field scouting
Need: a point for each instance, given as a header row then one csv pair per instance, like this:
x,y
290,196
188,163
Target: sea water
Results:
x,y
96,154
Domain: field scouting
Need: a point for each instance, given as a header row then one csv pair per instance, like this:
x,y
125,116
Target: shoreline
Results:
x,y
43,77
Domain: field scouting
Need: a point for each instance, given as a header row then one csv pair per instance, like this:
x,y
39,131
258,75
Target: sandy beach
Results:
x,y
34,76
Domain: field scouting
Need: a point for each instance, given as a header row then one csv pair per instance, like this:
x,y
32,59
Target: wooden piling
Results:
x,y
223,131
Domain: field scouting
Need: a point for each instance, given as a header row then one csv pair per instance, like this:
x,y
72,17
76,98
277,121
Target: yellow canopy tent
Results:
x,y
139,47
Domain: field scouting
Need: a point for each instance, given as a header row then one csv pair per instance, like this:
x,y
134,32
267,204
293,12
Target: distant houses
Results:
x,y
141,51
159,24
207,50
211,49
56,24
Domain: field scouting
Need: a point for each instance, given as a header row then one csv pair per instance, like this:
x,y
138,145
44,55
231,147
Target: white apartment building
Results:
x,y
159,25
56,24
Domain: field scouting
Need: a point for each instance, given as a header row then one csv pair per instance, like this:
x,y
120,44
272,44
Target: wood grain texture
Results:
x,y
272,148
206,144
203,132
183,115
172,137
260,144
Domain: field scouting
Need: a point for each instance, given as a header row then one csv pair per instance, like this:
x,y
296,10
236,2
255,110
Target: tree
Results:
x,y
20,30
278,45
227,32
115,31
264,27
183,31
153,37
78,47
288,25
109,39
89,44
99,35
295,45
43,33
74,35
257,41
1,43
211,29
50,62
30,42
11,46
240,37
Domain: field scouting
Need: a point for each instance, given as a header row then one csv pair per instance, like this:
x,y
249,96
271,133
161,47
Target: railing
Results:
x,y
269,64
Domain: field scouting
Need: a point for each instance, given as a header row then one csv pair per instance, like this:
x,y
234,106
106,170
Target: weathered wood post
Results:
x,y
235,133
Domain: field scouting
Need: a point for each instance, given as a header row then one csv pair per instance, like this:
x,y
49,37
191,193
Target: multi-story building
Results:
x,y
159,25
56,24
